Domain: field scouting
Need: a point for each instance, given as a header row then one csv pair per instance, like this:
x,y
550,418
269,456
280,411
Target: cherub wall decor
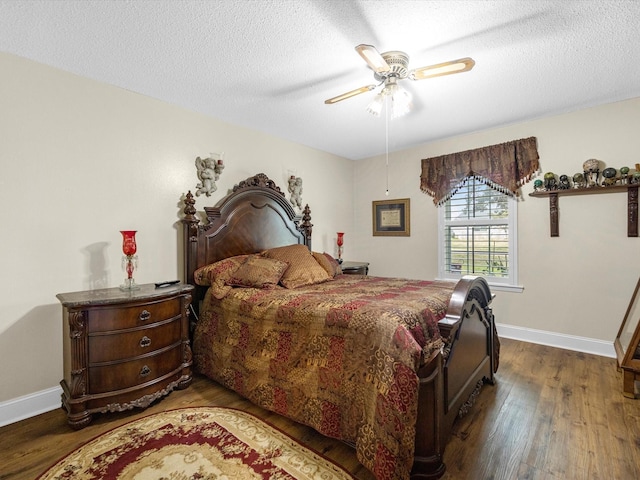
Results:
x,y
295,189
209,170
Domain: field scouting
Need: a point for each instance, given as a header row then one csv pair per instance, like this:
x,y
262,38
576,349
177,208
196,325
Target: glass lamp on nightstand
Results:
x,y
340,242
130,259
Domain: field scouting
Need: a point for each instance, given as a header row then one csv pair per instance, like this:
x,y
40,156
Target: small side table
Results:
x,y
123,349
355,268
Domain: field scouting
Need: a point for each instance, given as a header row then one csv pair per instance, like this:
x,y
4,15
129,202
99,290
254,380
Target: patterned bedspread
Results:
x,y
340,356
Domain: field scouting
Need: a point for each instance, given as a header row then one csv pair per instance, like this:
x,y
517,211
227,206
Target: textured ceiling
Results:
x,y
269,65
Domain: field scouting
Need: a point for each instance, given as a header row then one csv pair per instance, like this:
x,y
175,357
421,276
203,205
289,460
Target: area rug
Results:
x,y
203,443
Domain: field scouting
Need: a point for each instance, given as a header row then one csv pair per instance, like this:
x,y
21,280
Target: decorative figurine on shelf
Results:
x,y
579,181
591,169
550,182
130,259
340,242
624,175
564,182
209,170
635,176
609,177
295,189
537,185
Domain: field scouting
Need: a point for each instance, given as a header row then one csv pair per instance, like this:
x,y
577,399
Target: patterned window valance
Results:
x,y
504,167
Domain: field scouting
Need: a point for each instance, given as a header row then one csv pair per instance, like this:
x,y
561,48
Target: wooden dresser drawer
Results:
x,y
107,378
116,318
127,345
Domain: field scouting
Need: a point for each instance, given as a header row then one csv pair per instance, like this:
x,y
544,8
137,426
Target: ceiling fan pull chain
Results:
x,y
386,137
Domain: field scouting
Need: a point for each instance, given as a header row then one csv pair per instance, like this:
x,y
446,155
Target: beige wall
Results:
x,y
578,284
82,160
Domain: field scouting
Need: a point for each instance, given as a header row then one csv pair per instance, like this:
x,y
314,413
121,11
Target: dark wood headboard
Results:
x,y
255,216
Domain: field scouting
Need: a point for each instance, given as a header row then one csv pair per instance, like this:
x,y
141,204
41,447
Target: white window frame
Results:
x,y
509,283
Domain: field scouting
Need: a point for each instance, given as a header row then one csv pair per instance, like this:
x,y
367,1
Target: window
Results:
x,y
478,234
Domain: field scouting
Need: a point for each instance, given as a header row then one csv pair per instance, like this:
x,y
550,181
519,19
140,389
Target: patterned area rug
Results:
x,y
203,443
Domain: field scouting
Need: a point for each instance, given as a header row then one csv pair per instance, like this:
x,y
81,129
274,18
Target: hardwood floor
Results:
x,y
553,414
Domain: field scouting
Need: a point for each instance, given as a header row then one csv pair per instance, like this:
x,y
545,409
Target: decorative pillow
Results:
x,y
329,263
216,274
258,272
303,268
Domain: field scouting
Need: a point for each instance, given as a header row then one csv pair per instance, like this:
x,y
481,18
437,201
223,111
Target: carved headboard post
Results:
x,y
190,254
306,226
190,230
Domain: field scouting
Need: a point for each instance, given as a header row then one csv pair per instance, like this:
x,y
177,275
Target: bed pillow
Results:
x,y
329,263
216,274
303,268
258,272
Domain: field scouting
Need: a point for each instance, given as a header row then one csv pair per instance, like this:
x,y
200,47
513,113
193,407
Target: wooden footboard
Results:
x,y
449,379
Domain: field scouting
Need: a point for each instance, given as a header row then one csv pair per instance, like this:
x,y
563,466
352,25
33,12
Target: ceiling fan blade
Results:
x,y
440,69
373,58
350,94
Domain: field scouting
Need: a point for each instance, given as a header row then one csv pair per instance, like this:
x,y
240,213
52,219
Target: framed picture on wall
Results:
x,y
391,218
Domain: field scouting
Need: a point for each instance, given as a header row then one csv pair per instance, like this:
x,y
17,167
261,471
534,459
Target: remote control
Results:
x,y
167,284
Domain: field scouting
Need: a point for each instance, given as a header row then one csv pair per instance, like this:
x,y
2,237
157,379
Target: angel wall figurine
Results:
x,y
295,189
209,170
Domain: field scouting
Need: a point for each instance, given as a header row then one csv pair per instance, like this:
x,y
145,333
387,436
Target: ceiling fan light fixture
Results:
x,y
390,88
440,69
399,98
400,103
375,107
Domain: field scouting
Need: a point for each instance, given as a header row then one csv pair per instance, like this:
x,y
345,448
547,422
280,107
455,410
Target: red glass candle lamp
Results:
x,y
340,242
130,259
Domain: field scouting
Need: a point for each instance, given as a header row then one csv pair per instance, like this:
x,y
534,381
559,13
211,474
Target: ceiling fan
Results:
x,y
390,67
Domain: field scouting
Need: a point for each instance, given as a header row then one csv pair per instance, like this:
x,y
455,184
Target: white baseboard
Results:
x,y
558,340
30,405
46,400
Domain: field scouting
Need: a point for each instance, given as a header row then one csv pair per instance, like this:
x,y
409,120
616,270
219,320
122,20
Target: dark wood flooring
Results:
x,y
553,414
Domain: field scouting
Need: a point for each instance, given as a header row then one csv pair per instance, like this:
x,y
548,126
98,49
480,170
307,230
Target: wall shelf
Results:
x,y
632,204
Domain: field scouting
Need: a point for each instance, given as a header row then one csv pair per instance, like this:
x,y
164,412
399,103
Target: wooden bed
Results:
x,y
256,216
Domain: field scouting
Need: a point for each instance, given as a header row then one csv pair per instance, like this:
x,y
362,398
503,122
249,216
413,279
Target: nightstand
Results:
x,y
355,268
123,349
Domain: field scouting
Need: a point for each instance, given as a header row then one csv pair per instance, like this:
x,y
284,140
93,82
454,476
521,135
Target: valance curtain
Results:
x,y
504,167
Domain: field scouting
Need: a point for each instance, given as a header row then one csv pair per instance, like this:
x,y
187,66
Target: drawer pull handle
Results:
x,y
145,341
145,315
145,371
